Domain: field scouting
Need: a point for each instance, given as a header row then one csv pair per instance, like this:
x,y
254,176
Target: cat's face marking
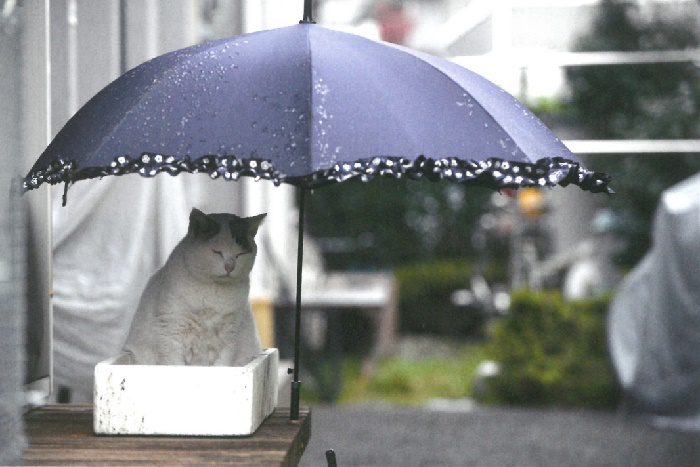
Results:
x,y
221,247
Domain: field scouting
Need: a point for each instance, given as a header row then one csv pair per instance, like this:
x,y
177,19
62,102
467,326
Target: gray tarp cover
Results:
x,y
654,323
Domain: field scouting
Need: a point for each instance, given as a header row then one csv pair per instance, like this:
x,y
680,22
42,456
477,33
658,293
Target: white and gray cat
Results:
x,y
195,310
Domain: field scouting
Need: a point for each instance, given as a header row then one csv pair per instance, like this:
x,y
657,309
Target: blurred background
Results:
x,y
418,296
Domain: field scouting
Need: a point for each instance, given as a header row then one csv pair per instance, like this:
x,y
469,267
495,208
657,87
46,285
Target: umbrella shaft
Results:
x,y
307,12
296,384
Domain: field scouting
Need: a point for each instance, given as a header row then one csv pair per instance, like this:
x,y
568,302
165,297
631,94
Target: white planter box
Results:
x,y
184,400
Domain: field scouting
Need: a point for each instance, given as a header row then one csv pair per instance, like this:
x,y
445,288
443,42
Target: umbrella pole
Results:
x,y
307,18
296,384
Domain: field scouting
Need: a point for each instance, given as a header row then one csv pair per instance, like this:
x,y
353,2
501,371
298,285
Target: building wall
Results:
x,y
12,244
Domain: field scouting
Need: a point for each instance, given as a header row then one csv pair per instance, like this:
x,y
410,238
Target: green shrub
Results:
x,y
425,305
552,352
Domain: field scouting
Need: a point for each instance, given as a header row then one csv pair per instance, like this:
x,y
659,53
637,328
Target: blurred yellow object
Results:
x,y
531,202
263,313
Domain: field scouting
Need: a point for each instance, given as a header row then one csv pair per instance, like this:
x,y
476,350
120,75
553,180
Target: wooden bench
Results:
x,y
63,435
375,295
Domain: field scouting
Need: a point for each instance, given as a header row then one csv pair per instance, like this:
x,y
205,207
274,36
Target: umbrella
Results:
x,y
308,106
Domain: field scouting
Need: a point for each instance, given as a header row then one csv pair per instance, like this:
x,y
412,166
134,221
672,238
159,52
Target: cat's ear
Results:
x,y
254,223
201,225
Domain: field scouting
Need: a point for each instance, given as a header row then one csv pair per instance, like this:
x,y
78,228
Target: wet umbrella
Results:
x,y
308,106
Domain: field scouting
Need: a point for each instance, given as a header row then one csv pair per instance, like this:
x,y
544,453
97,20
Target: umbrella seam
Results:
x,y
310,134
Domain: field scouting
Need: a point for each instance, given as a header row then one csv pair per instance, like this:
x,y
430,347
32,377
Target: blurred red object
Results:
x,y
394,23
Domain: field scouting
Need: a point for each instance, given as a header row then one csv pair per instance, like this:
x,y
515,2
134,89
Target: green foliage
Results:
x,y
408,382
545,106
639,101
552,353
425,299
639,182
405,221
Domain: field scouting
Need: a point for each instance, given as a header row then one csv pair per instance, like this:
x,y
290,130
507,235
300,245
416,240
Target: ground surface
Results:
x,y
462,435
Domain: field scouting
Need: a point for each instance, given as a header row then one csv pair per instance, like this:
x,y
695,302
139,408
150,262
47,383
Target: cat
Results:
x,y
195,310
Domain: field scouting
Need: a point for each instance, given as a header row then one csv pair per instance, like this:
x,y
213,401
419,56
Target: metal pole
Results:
x,y
296,384
307,13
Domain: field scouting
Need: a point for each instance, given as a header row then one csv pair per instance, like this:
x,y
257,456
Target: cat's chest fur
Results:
x,y
208,320
204,332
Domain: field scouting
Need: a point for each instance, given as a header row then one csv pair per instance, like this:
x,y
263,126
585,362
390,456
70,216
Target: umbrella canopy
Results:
x,y
308,106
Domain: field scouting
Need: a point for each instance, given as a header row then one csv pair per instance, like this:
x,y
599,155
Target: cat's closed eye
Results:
x,y
218,253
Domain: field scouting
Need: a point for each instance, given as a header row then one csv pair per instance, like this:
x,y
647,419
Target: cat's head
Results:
x,y
221,247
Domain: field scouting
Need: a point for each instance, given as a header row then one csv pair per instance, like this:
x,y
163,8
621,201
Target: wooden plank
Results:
x,y
63,434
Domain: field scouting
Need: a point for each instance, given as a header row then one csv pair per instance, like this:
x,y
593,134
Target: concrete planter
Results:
x,y
184,400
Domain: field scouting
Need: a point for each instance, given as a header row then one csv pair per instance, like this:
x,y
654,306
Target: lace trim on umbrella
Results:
x,y
494,173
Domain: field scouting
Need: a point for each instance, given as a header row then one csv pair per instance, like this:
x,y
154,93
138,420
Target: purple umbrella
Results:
x,y
308,106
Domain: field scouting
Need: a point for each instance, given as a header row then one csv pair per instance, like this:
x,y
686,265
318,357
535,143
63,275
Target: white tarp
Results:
x,y
108,240
654,321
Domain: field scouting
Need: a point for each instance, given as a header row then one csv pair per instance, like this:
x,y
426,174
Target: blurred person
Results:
x,y
395,25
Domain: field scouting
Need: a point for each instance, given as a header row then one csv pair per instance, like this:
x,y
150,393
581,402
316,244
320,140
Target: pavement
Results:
x,y
465,434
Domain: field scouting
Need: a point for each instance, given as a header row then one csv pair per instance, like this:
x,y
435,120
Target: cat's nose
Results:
x,y
229,267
